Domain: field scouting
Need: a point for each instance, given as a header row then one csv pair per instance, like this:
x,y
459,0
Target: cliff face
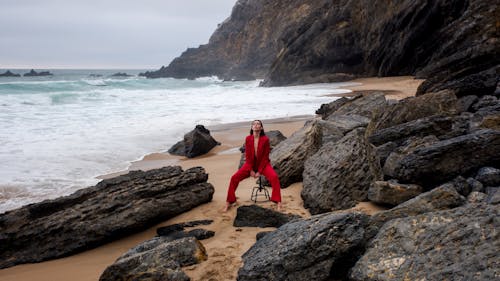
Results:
x,y
453,42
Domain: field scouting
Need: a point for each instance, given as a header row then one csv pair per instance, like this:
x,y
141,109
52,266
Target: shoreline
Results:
x,y
229,242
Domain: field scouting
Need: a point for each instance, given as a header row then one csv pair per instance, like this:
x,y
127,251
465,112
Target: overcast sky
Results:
x,y
104,33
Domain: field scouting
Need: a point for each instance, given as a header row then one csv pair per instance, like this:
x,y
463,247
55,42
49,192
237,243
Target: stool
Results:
x,y
259,191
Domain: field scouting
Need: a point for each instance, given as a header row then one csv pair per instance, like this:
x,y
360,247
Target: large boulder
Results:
x,y
443,160
339,174
392,192
327,109
322,247
441,198
156,260
288,156
442,103
256,216
195,143
457,244
365,105
96,215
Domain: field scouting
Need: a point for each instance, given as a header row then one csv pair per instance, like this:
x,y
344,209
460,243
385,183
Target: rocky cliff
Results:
x,y
454,43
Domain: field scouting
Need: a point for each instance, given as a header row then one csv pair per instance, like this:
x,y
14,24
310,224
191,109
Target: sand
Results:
x,y
229,243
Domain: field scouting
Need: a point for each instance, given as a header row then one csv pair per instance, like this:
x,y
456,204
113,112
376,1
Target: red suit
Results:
x,y
258,162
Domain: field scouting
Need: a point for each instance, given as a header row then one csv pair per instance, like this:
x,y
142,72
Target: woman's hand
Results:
x,y
252,173
256,175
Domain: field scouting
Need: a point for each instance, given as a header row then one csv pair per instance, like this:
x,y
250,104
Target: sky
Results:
x,y
121,34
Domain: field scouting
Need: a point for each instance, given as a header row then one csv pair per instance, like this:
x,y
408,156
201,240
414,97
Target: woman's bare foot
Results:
x,y
228,206
279,207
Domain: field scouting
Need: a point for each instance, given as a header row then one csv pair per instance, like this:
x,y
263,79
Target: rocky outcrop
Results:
x,y
339,174
93,216
195,143
156,260
392,192
297,42
256,216
120,74
288,156
34,73
9,74
457,244
322,247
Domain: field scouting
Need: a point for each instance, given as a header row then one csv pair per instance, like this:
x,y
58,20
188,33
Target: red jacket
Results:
x,y
263,149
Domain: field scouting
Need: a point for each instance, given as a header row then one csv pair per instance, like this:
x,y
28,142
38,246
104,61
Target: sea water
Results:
x,y
57,133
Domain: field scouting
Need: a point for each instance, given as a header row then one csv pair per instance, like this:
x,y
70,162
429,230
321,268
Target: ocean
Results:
x,y
57,133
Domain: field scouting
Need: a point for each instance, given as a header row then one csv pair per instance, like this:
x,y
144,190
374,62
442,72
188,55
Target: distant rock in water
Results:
x,y
309,41
92,75
34,73
121,74
9,74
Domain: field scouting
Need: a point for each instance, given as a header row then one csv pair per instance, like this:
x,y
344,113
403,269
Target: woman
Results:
x,y
257,163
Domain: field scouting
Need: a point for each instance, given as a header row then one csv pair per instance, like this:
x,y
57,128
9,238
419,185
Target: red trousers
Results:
x,y
244,172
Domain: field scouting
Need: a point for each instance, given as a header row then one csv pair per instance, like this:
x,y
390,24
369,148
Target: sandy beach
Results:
x,y
229,243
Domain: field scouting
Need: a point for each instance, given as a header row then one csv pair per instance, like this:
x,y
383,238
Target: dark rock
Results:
x,y
493,194
461,185
327,109
93,216
256,216
444,160
440,198
9,74
261,234
392,192
490,122
120,74
383,151
365,105
477,197
330,132
485,102
161,262
475,185
199,234
465,102
488,176
441,103
457,244
34,73
195,143
339,174
318,248
347,123
166,230
288,156
432,125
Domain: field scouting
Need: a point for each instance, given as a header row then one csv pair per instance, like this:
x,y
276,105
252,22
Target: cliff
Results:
x,y
295,42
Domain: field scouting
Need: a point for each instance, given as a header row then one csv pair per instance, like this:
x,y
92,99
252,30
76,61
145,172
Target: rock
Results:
x,y
288,156
339,174
120,74
158,263
330,132
457,244
347,123
392,192
443,160
442,103
465,102
477,197
364,105
490,122
256,216
440,198
321,247
176,231
475,185
327,109
93,216
195,143
493,193
433,125
383,151
488,176
166,230
34,73
9,74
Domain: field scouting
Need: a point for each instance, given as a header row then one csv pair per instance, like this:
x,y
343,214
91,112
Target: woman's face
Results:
x,y
256,126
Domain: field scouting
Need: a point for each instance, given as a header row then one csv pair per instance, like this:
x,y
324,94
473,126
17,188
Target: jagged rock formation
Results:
x,y
453,43
256,216
34,73
156,260
195,143
8,73
96,215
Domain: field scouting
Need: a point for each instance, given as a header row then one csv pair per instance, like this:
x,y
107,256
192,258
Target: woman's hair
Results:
x,y
261,125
